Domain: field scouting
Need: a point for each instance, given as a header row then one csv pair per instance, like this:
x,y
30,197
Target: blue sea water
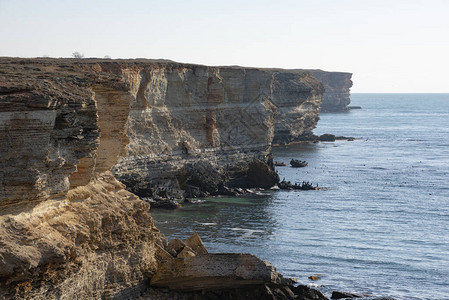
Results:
x,y
380,226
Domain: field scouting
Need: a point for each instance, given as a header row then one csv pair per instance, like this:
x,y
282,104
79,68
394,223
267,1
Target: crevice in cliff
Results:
x,y
113,111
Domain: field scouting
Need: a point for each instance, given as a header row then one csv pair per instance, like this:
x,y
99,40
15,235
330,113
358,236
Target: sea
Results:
x,y
380,223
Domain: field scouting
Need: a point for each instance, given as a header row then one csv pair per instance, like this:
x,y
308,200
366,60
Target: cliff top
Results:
x,y
67,64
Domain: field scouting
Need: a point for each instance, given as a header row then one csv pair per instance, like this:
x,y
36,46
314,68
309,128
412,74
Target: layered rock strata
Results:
x,y
187,127
337,87
68,228
205,129
190,272
299,103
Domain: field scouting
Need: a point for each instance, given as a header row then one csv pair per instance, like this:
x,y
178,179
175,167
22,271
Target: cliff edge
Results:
x,y
68,227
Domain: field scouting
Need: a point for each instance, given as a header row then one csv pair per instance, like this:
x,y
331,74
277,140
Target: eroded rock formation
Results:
x,y
196,127
67,226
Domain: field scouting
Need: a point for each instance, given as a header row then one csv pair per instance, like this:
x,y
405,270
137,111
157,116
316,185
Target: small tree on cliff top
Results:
x,y
77,55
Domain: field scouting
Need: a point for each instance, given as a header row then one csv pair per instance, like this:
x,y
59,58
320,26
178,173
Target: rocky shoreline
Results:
x,y
85,140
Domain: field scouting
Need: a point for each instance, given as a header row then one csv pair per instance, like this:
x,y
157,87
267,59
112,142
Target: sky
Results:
x,y
389,46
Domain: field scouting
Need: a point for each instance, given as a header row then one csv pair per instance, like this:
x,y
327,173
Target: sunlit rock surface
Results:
x,y
68,228
337,87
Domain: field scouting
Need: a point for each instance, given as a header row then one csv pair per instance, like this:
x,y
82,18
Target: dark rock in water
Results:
x,y
312,138
192,191
326,138
280,164
305,293
204,175
354,107
298,163
226,191
162,203
305,186
343,295
261,175
344,138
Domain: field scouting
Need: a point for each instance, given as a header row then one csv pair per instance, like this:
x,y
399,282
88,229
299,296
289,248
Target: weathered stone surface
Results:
x,y
198,126
186,126
336,86
186,252
298,97
87,246
175,246
68,228
215,271
196,244
162,256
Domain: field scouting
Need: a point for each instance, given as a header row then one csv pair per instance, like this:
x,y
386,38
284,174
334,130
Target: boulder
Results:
x,y
162,256
195,243
260,174
175,246
217,271
186,252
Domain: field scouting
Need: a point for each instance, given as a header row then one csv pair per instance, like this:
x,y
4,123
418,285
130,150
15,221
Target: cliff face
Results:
x,y
67,226
186,118
202,128
336,86
298,96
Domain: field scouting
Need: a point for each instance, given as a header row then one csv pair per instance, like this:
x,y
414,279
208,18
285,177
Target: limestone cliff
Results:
x,y
298,96
196,127
68,228
336,86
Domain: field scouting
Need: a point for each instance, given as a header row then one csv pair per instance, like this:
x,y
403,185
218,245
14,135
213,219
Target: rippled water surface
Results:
x,y
380,227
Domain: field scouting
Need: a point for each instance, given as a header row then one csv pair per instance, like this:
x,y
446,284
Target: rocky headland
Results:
x,y
82,139
337,87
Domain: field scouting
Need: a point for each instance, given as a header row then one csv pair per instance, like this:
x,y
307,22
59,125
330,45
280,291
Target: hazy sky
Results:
x,y
389,45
